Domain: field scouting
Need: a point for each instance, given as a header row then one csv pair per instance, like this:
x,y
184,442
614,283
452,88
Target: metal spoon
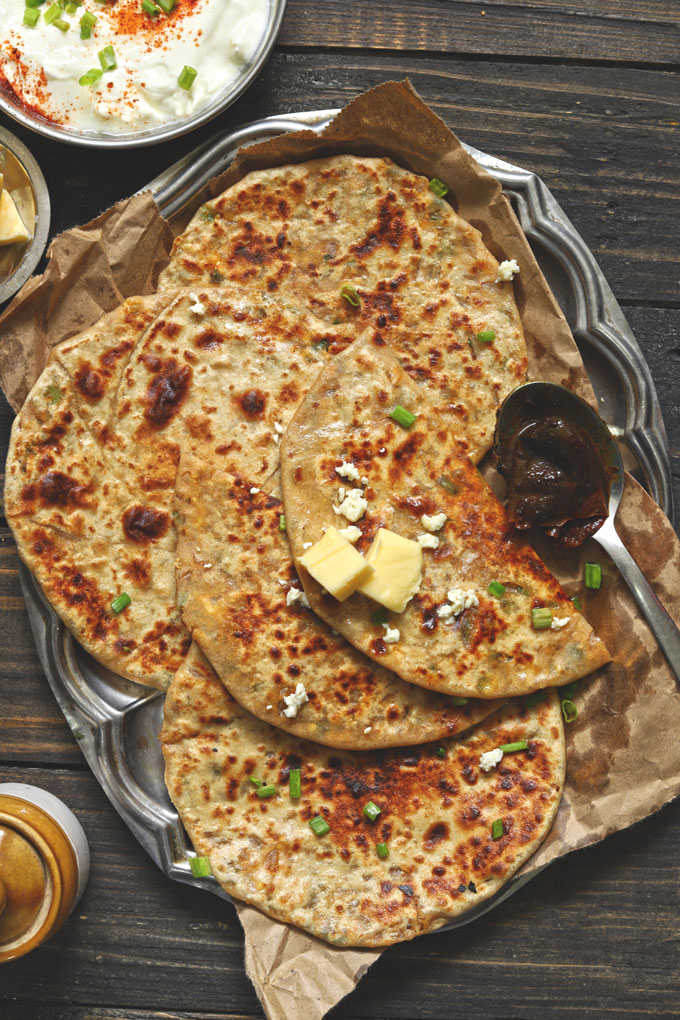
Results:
x,y
553,396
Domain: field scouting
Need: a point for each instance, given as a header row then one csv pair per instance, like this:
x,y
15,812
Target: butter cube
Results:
x,y
336,565
398,564
12,229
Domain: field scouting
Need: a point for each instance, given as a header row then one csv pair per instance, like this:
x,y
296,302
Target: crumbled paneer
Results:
x,y
307,545
278,427
294,595
428,541
445,612
461,599
507,269
435,522
368,729
269,708
254,491
556,624
349,471
351,533
391,635
353,505
294,701
198,308
275,437
489,759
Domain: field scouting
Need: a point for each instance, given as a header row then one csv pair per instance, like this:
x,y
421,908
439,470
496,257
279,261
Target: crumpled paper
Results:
x,y
623,754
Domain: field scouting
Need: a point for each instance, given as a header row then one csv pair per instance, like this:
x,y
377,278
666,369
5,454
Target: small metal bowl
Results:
x,y
24,180
164,132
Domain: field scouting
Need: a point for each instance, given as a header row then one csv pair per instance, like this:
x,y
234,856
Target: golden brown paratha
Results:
x,y
240,599
436,814
423,277
454,636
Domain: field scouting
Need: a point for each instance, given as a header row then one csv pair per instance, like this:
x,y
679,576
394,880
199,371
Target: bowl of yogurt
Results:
x,y
115,73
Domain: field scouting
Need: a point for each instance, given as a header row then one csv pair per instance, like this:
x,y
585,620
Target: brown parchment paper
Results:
x,y
623,751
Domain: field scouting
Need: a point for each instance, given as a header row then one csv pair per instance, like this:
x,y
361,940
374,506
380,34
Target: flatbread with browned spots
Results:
x,y
454,833
425,280
240,599
454,635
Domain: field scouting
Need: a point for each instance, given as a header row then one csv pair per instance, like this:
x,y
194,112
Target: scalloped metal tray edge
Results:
x,y
115,721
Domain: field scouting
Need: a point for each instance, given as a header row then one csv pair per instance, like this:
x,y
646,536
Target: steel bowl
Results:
x,y
163,132
21,171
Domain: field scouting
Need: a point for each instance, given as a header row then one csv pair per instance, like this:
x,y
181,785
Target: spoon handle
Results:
x,y
660,623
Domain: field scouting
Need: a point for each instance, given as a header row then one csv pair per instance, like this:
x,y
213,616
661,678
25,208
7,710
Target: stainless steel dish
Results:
x,y
23,176
151,136
116,722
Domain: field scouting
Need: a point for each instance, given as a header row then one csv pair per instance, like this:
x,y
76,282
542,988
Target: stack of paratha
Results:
x,y
297,310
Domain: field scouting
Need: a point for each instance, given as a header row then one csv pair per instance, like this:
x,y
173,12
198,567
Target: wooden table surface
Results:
x,y
587,96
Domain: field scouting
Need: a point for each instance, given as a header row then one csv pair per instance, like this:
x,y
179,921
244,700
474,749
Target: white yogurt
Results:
x,y
42,65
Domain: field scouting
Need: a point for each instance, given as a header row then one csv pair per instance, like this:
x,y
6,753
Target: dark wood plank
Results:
x,y
610,32
594,936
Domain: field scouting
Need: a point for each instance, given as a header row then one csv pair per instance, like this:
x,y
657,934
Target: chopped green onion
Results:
x,y
121,602
34,3
441,752
321,345
496,588
167,5
447,484
438,187
349,294
295,783
31,17
52,12
371,810
282,522
70,7
200,867
592,575
497,829
382,850
319,825
576,603
107,58
541,619
517,745
149,8
87,23
266,791
256,781
403,417
61,24
455,700
90,77
187,77
379,617
487,336
536,698
569,711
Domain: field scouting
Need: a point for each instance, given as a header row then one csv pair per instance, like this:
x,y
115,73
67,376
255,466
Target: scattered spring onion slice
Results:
x,y
403,417
448,485
87,23
31,17
541,618
382,850
121,602
496,588
52,12
319,825
438,187
441,752
487,336
266,791
187,77
295,783
149,8
349,294
107,58
497,829
167,5
71,7
257,782
371,810
592,575
517,745
569,711
455,700
282,522
61,23
379,617
90,77
576,603
200,867
34,3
